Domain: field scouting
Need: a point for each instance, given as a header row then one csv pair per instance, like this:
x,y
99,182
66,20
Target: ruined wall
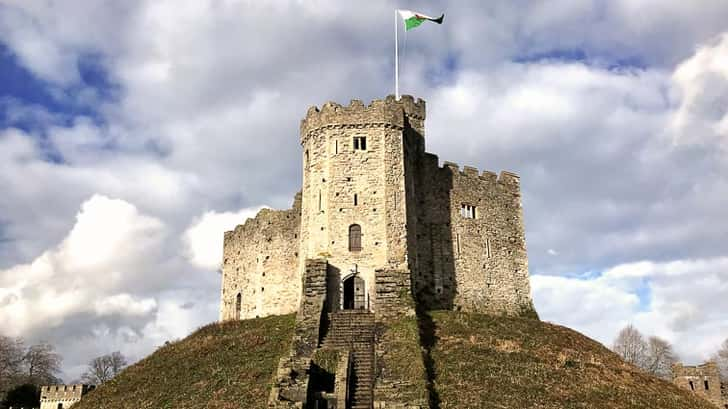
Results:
x,y
703,380
65,395
473,264
345,186
261,264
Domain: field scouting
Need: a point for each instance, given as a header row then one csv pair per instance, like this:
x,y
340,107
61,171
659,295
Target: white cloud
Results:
x,y
702,81
204,237
125,304
110,248
682,301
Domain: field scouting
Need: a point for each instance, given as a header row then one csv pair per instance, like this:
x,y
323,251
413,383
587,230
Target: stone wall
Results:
x,y
290,386
261,264
345,186
703,380
408,209
474,264
65,395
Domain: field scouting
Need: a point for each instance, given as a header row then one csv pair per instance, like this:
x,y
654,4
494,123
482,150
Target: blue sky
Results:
x,y
132,134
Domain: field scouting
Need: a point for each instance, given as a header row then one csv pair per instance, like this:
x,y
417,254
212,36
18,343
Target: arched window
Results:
x,y
238,305
354,237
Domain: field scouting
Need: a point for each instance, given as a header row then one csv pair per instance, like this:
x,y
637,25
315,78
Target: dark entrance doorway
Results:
x,y
354,293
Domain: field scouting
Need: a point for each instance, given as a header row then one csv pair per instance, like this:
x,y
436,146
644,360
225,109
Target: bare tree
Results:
x,y
42,364
631,346
103,368
11,362
659,358
721,357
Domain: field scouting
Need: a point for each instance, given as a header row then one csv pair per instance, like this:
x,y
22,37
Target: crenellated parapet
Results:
x,y
387,113
56,396
260,265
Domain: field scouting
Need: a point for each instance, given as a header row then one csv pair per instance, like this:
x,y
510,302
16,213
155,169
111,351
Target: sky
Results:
x,y
132,134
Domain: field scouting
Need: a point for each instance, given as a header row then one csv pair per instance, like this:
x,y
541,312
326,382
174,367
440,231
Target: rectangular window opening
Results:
x,y
467,211
356,199
360,143
706,385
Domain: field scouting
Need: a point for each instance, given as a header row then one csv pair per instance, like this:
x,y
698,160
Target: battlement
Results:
x,y
706,369
506,177
63,392
380,112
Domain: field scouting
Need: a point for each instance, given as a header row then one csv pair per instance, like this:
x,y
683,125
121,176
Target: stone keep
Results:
x,y
373,200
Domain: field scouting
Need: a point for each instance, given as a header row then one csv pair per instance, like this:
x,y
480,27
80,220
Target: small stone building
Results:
x,y
703,380
373,199
62,396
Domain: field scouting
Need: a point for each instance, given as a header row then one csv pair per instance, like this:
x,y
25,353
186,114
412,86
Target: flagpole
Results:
x,y
396,59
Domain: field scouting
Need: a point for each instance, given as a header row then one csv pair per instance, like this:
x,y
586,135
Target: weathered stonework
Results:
x,y
703,380
62,396
410,212
378,232
261,265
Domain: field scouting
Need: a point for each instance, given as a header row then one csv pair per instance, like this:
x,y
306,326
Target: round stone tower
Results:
x,y
354,198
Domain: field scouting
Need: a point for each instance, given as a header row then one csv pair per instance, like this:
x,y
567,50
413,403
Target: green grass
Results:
x,y
219,366
403,359
474,361
483,361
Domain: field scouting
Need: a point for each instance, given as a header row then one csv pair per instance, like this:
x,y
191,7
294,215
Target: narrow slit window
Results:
x,y
336,147
305,158
706,385
457,240
467,211
692,386
320,203
360,143
354,237
238,305
356,199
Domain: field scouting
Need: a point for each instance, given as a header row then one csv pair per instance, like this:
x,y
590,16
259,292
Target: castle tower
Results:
x,y
381,212
354,200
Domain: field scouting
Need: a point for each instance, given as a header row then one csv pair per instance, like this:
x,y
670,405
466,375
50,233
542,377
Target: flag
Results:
x,y
412,19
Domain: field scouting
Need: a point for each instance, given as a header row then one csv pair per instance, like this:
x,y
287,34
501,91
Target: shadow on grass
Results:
x,y
428,340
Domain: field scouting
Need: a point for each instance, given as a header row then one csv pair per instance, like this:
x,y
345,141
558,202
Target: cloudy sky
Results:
x,y
132,134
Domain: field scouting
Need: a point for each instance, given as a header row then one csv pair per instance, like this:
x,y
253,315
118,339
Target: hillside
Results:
x,y
484,361
478,361
220,366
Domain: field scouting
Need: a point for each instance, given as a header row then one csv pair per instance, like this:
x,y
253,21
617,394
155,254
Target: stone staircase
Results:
x,y
353,330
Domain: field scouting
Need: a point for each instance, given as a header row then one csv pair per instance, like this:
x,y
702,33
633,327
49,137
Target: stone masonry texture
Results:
x,y
456,236
703,380
62,396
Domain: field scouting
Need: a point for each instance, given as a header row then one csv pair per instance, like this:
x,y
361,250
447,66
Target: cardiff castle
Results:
x,y
379,229
372,198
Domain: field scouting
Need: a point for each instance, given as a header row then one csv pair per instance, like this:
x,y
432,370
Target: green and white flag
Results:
x,y
413,19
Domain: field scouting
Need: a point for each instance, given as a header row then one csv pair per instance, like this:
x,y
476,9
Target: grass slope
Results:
x,y
485,361
477,361
219,366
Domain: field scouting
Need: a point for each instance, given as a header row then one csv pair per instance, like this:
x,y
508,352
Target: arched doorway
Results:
x,y
354,293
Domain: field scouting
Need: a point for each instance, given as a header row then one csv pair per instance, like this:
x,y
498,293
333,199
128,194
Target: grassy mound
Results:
x,y
219,366
472,360
482,361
